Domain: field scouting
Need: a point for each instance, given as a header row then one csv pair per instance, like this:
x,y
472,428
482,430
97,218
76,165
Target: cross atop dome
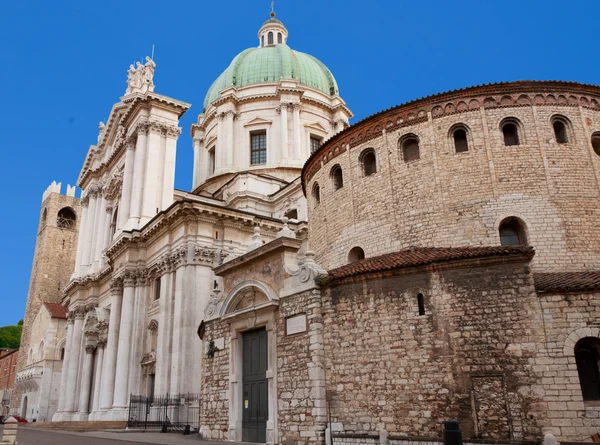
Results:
x,y
272,32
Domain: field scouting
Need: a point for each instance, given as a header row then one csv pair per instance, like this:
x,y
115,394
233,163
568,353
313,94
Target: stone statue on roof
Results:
x,y
140,78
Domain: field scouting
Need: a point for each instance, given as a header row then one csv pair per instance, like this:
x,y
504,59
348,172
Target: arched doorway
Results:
x,y
24,409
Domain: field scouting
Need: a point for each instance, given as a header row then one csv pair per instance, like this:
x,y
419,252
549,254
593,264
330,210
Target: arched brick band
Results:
x,y
575,336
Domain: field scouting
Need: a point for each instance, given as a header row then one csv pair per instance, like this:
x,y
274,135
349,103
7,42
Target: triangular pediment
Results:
x,y
316,126
258,121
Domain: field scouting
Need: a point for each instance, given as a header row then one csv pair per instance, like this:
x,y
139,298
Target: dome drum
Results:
x,y
446,175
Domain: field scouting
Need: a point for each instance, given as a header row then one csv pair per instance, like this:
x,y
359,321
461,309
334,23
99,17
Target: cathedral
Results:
x,y
324,281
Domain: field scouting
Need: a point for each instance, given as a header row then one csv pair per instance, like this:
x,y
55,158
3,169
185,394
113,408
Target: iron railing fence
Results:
x,y
179,412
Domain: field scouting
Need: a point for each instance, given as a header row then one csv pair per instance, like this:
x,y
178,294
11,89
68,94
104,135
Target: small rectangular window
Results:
x,y
157,288
315,142
258,148
211,160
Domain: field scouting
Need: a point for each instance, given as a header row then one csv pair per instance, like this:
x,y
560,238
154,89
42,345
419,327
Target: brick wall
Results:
x,y
469,356
458,199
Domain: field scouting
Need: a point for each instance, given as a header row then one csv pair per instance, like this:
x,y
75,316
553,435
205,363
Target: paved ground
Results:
x,y
29,436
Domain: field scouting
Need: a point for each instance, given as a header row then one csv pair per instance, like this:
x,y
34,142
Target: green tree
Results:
x,y
10,336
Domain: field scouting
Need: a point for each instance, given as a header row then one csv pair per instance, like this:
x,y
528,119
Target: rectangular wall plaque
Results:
x,y
295,324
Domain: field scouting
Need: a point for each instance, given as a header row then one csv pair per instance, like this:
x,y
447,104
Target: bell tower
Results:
x,y
53,260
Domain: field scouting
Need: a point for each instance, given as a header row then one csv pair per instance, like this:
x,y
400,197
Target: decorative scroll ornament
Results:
x,y
140,78
215,297
308,270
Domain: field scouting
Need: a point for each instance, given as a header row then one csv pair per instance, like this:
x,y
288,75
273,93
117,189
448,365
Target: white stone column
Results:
x,y
229,116
74,361
110,355
121,394
139,334
220,157
86,382
199,163
127,186
139,171
150,204
62,399
163,357
168,184
297,153
96,232
86,258
81,236
98,377
101,233
284,132
178,349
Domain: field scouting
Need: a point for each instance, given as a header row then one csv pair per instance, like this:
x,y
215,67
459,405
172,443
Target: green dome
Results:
x,y
270,64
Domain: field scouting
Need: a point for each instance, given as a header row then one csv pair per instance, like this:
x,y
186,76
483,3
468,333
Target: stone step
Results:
x,y
77,426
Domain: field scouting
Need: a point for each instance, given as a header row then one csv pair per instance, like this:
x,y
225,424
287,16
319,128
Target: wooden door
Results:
x,y
255,391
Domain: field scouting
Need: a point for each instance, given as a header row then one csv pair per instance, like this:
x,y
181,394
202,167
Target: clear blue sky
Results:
x,y
64,63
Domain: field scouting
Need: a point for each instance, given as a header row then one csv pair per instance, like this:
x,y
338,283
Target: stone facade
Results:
x,y
449,198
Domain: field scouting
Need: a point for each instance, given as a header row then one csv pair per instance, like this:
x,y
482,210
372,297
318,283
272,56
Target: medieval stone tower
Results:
x,y
53,263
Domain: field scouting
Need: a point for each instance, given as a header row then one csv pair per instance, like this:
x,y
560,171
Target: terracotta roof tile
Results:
x,y
420,256
567,281
56,310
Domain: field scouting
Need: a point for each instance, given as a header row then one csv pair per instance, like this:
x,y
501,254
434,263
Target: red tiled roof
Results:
x,y
420,256
567,281
56,310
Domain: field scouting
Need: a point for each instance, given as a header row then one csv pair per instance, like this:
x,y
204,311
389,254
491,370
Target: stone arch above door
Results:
x,y
249,293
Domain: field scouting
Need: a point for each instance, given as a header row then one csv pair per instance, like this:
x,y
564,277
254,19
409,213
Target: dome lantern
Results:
x,y
272,33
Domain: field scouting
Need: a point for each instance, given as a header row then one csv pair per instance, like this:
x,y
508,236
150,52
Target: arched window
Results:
x,y
356,254
510,132
262,41
66,218
410,148
587,355
421,304
560,125
44,214
512,232
279,38
113,223
337,178
270,38
596,142
316,193
368,162
459,135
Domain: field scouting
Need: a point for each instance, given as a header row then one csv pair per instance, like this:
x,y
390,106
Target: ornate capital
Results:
x,y
172,131
102,342
130,144
204,255
141,128
85,201
78,313
296,106
141,277
155,127
221,116
116,286
89,349
129,277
